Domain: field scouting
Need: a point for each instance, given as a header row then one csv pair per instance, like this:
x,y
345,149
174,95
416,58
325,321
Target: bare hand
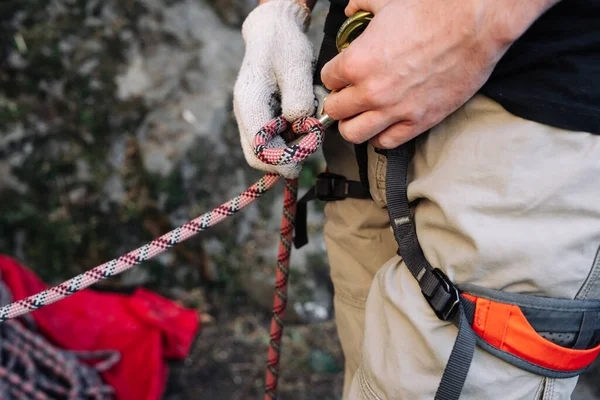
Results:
x,y
417,62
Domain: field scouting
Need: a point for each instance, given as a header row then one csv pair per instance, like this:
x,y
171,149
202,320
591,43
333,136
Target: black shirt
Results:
x,y
551,74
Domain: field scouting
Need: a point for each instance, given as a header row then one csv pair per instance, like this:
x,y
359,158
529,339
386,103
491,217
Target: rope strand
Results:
x,y
281,281
139,255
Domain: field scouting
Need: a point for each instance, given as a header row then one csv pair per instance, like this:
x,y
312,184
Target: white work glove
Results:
x,y
277,66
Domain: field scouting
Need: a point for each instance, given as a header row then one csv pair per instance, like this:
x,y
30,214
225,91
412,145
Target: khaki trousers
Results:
x,y
504,203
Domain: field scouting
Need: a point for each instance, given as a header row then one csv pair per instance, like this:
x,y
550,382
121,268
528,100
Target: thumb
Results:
x,y
295,78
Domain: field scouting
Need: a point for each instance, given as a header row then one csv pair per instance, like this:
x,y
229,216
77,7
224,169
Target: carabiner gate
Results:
x,y
351,29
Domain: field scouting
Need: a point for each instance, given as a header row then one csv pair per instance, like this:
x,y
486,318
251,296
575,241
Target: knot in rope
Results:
x,y
310,127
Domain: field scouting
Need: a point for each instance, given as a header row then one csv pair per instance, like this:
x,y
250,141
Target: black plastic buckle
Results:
x,y
449,308
383,152
331,187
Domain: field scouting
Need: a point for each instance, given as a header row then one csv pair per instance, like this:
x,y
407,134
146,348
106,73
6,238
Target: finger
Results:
x,y
364,126
346,103
395,135
333,74
371,6
295,79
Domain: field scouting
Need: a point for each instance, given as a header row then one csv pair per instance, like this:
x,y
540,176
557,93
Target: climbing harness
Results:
x,y
555,338
520,329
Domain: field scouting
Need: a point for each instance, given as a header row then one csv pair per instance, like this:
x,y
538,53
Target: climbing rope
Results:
x,y
277,156
312,132
33,368
281,280
137,256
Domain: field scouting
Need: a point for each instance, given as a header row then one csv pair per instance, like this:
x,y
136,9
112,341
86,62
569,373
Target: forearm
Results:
x,y
309,3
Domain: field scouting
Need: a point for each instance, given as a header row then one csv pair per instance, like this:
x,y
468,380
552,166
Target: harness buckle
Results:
x,y
331,187
448,307
383,152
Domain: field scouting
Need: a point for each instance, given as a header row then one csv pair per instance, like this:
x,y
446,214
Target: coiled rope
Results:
x,y
313,131
32,368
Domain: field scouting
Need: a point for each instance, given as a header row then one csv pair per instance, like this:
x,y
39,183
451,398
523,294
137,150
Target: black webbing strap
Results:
x,y
438,290
328,187
362,159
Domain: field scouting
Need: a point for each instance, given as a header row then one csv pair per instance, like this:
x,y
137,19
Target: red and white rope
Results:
x,y
313,131
310,127
281,280
137,256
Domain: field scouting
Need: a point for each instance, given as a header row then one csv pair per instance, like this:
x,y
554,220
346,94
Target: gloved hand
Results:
x,y
276,72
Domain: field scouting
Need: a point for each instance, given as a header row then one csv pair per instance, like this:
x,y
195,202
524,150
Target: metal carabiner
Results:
x,y
350,30
321,94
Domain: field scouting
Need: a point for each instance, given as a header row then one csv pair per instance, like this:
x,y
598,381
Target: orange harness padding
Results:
x,y
505,327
